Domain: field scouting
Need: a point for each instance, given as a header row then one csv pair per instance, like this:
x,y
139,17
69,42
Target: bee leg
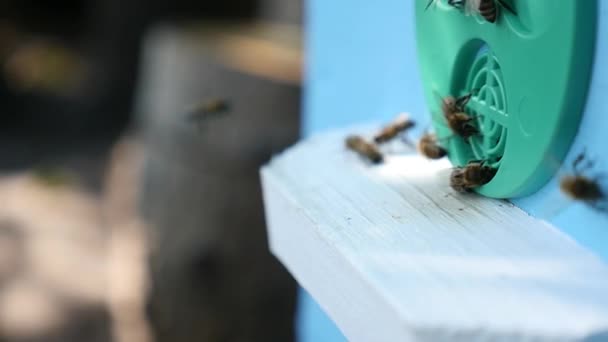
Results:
x,y
579,158
471,130
463,100
508,7
473,117
587,166
429,4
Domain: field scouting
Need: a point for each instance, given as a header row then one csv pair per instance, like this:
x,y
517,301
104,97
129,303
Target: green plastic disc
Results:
x,y
529,73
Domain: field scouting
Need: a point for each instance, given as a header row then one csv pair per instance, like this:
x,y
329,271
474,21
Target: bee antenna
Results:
x,y
429,4
463,100
579,158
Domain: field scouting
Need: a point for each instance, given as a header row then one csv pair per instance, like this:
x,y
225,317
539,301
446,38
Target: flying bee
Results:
x,y
583,188
363,148
488,9
208,109
428,146
458,121
399,126
475,174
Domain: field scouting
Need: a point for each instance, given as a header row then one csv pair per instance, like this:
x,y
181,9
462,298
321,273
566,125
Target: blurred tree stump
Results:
x,y
213,278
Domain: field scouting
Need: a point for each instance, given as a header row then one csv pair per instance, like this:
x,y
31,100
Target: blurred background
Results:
x,y
131,134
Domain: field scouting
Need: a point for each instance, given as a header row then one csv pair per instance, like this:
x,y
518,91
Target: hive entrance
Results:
x,y
488,106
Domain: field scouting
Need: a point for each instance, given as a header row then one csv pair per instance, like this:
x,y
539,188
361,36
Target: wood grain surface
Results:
x,y
393,254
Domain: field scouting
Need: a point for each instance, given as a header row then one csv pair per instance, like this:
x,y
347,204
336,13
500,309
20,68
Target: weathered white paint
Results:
x,y
392,254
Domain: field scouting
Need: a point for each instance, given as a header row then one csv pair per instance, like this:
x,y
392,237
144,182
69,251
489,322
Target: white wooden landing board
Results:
x,y
392,254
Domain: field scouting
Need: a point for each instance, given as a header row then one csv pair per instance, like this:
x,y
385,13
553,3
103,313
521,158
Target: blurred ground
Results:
x,y
72,262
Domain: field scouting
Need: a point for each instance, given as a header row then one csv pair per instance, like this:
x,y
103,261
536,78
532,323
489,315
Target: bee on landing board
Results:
x,y
475,174
363,148
457,180
428,146
488,9
398,127
458,121
583,188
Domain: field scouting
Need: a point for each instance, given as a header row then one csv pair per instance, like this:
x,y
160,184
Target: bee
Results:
x,y
583,188
457,180
208,109
475,174
428,146
488,9
399,126
363,148
458,121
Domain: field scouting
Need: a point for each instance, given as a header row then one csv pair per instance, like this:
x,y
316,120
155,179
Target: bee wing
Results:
x,y
471,7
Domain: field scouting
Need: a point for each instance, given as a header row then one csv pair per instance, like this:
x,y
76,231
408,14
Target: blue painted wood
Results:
x,y
361,62
313,325
588,227
362,66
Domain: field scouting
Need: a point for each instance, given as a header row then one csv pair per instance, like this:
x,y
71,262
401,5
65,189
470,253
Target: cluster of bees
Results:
x,y
577,185
462,179
476,173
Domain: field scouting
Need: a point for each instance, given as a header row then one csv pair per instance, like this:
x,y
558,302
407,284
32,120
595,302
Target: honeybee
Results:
x,y
488,9
363,148
457,180
428,146
475,174
208,109
399,126
458,121
582,188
